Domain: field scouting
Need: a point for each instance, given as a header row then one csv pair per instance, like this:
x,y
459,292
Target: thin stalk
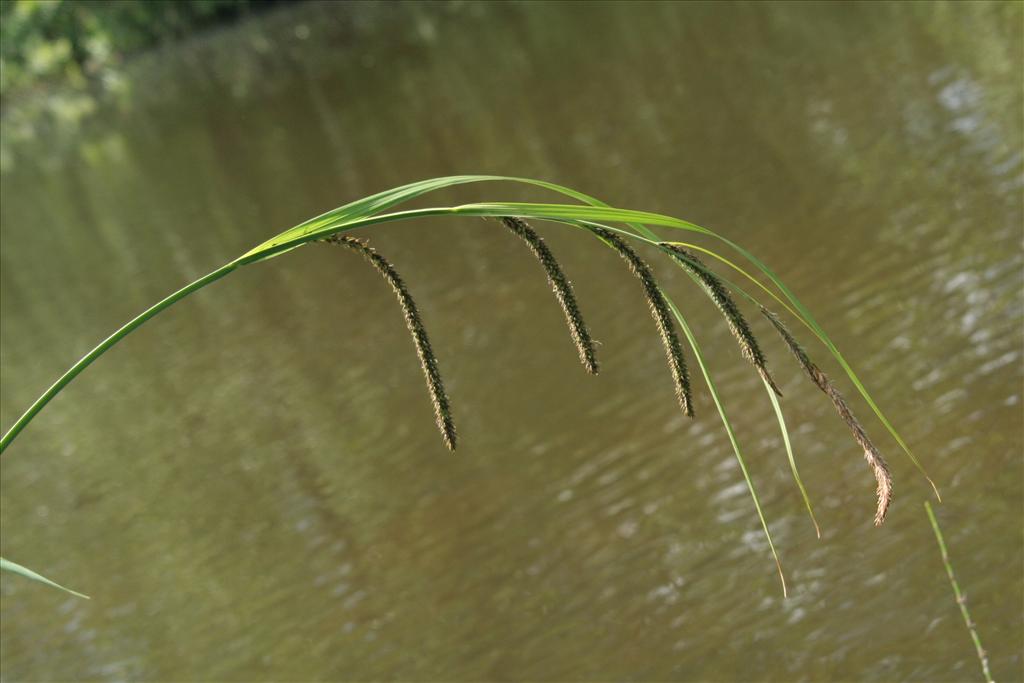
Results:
x,y
732,436
789,454
961,599
105,345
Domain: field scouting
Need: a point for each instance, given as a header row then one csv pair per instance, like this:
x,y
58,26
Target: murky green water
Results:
x,y
251,487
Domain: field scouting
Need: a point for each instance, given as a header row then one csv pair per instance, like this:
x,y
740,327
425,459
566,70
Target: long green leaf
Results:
x,y
374,204
8,566
789,454
104,346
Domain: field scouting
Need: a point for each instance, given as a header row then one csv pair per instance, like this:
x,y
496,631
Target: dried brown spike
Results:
x,y
883,477
438,396
562,289
660,313
749,347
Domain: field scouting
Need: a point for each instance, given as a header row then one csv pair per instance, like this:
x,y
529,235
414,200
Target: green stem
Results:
x,y
105,345
960,599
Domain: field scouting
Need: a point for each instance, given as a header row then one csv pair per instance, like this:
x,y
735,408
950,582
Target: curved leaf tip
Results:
x,y
15,568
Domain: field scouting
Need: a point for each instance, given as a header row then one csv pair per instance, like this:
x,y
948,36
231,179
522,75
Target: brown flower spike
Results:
x,y
821,380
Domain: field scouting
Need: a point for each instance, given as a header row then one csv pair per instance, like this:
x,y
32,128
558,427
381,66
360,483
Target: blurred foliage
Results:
x,y
80,42
58,57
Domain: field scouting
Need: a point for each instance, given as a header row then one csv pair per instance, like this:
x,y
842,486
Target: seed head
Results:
x,y
562,289
718,292
660,313
413,321
883,478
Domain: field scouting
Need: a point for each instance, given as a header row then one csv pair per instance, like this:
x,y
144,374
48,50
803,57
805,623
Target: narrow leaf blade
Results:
x,y
789,453
14,567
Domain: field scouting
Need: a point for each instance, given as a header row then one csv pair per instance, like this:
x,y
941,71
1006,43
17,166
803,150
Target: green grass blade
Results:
x,y
374,204
104,346
961,600
292,238
732,436
389,198
8,566
778,412
298,235
789,453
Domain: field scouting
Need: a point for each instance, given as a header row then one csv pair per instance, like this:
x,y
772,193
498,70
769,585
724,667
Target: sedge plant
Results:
x,y
620,229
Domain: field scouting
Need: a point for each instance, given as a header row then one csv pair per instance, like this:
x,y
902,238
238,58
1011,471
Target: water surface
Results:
x,y
251,487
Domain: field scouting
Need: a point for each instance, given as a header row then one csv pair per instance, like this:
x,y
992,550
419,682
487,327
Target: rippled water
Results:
x,y
251,487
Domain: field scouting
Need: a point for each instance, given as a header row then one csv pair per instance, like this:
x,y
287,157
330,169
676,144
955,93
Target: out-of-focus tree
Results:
x,y
75,42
